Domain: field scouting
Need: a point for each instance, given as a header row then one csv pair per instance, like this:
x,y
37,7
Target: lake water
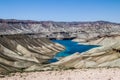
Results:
x,y
71,47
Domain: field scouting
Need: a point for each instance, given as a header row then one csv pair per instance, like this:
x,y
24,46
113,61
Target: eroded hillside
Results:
x,y
18,53
24,45
52,29
107,55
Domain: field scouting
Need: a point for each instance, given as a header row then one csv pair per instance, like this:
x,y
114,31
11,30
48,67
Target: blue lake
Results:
x,y
71,47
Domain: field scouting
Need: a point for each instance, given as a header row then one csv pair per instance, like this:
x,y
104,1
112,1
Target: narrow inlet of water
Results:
x,y
71,48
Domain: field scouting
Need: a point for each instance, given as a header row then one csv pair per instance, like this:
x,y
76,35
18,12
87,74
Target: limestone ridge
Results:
x,y
18,53
51,29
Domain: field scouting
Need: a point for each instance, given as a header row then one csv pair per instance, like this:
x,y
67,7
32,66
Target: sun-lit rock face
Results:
x,y
108,55
21,52
51,29
24,47
105,40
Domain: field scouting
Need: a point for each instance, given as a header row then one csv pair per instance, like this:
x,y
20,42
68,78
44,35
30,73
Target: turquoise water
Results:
x,y
71,47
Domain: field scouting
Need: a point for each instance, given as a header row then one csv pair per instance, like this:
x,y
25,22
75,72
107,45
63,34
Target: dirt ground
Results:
x,y
76,74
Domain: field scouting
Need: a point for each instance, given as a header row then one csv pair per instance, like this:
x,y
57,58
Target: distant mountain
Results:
x,y
52,29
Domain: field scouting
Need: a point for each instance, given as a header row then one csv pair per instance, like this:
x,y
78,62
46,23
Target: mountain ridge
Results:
x,y
37,21
58,30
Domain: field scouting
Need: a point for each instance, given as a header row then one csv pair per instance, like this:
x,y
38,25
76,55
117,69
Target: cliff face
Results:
x,y
107,55
18,53
24,47
52,29
105,40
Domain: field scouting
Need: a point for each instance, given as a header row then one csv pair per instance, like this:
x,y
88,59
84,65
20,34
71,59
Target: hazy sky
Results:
x,y
61,10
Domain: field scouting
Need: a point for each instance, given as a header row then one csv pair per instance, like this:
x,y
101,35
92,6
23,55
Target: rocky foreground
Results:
x,y
77,74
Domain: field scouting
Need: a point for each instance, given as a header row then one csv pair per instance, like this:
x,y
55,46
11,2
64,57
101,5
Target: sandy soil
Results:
x,y
77,74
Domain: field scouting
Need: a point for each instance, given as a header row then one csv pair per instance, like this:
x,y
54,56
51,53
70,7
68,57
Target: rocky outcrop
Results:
x,y
51,29
105,40
24,47
18,53
107,55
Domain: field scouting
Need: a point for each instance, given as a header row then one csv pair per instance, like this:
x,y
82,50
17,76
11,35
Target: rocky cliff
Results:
x,y
107,55
18,53
24,45
104,40
51,29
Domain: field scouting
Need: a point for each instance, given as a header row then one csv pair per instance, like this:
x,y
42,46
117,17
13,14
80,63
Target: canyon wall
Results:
x,y
51,29
107,55
24,44
18,53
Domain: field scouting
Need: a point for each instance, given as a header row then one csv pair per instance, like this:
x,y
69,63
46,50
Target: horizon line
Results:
x,y
36,20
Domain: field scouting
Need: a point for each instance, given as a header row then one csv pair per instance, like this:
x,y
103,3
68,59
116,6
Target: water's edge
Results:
x,y
71,48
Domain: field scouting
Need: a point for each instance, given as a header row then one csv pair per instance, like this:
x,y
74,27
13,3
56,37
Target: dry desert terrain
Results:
x,y
76,74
